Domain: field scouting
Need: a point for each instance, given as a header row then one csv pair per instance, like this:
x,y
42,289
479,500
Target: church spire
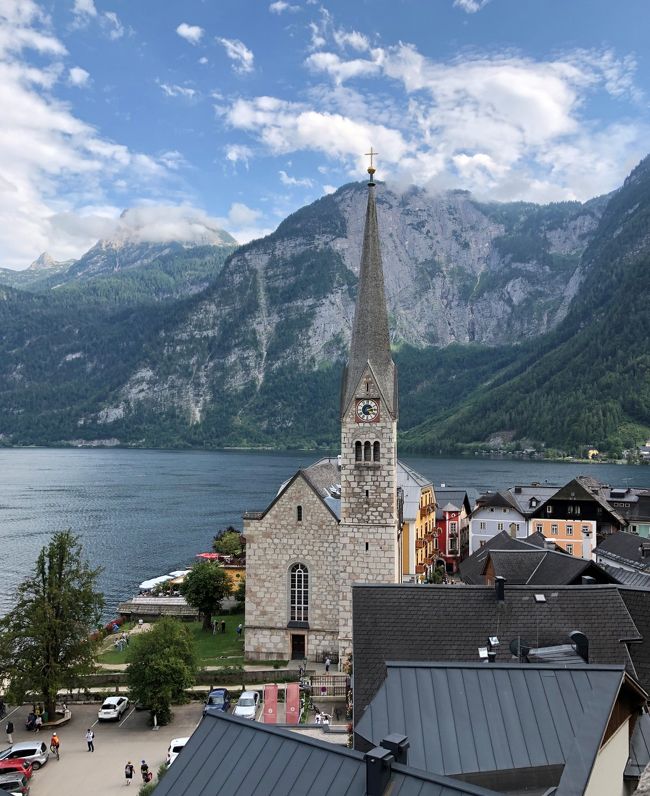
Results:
x,y
370,343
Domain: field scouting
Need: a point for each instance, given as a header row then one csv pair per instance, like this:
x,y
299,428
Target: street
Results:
x,y
102,771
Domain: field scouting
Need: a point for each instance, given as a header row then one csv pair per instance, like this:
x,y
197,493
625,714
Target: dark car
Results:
x,y
14,783
218,700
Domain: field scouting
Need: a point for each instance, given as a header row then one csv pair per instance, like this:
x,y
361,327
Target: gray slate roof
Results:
x,y
543,567
624,547
412,622
458,497
370,341
465,719
471,569
229,756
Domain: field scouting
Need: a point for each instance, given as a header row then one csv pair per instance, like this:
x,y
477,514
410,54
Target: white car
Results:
x,y
247,704
113,708
175,748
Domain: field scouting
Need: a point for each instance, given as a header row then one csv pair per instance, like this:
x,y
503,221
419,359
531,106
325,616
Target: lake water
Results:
x,y
142,513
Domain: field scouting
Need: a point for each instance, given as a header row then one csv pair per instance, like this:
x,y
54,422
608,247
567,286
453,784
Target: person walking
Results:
x,y
238,629
38,723
128,772
9,729
328,663
223,625
90,740
55,745
144,770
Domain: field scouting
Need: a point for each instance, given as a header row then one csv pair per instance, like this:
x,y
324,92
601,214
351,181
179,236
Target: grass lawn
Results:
x,y
220,649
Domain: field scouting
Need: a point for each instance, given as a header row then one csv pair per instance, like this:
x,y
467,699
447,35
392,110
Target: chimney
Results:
x,y
581,644
398,746
500,588
587,580
379,764
549,544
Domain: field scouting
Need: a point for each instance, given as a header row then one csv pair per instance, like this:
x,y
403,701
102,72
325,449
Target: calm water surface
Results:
x,y
143,513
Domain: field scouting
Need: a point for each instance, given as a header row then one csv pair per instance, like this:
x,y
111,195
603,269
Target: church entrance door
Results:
x,y
297,646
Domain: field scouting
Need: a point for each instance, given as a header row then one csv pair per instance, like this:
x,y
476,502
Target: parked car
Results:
x,y
16,764
218,700
14,783
35,752
113,708
175,748
247,704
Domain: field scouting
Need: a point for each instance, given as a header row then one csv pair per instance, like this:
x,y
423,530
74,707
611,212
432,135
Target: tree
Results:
x,y
162,664
204,588
240,592
45,639
229,542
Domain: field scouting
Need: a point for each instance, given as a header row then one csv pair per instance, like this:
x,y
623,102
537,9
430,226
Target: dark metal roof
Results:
x,y
412,622
464,719
628,577
229,756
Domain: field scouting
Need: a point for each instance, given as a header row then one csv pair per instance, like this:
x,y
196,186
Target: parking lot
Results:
x,y
102,771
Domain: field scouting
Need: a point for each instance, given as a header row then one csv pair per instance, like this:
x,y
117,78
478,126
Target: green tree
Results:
x,y
45,639
229,542
204,588
162,664
240,592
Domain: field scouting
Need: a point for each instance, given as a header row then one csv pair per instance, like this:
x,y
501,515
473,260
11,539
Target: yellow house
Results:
x,y
426,542
235,572
577,537
417,492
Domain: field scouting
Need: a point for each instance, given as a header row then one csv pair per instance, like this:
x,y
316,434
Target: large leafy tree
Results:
x,y
204,588
229,542
45,639
162,664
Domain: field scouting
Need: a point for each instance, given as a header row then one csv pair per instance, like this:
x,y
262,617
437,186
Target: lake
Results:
x,y
142,513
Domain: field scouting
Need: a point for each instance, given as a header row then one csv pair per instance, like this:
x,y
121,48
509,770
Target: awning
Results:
x,y
149,584
178,573
209,556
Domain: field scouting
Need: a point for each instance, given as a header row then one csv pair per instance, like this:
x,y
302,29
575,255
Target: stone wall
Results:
x,y
274,543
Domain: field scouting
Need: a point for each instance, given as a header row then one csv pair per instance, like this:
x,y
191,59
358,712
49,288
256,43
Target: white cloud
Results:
x,y
78,76
172,90
239,54
113,25
280,7
191,33
327,189
243,223
203,60
53,165
351,38
238,153
471,6
285,179
341,70
84,8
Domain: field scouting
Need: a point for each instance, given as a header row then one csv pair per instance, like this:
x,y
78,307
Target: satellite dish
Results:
x,y
519,648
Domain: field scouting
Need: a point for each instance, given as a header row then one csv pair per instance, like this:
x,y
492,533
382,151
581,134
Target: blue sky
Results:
x,y
234,113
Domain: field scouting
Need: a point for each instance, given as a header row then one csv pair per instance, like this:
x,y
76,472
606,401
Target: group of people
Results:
x,y
129,770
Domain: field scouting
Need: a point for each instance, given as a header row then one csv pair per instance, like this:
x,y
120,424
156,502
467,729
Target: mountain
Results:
x,y
37,274
249,350
588,383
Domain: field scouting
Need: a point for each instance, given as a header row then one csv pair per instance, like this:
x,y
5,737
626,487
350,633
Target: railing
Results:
x,y
329,685
419,543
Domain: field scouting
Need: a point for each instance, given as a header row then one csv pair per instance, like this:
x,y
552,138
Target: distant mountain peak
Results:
x,y
43,262
183,225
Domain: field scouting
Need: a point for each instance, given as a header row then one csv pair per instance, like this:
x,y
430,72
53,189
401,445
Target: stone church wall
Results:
x,y
275,543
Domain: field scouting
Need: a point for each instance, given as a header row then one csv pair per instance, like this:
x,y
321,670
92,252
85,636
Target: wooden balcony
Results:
x,y
419,544
420,569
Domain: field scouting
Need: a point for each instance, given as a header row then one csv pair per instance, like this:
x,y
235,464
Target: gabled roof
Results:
x,y
625,548
303,474
627,577
471,569
497,500
229,756
498,722
458,497
412,622
524,493
585,487
545,567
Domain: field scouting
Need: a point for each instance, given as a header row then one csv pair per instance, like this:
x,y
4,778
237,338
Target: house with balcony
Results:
x,y
426,534
418,514
452,524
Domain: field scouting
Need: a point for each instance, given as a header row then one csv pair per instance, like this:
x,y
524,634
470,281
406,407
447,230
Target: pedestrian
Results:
x,y
223,625
38,723
9,729
214,626
327,663
128,772
144,770
90,740
55,745
238,629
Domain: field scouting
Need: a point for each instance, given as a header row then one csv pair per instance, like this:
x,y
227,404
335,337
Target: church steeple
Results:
x,y
370,343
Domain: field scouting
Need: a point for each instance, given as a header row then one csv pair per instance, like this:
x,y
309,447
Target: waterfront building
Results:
x,y
452,526
495,512
337,522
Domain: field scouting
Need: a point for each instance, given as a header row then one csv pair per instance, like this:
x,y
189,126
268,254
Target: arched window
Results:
x,y
357,452
299,513
375,452
299,593
367,450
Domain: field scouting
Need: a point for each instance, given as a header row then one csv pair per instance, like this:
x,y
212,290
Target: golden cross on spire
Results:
x,y
371,155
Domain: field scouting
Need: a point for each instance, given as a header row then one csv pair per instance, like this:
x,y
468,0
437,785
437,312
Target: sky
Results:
x,y
235,113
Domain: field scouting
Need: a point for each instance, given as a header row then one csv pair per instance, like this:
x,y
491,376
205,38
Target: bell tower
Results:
x,y
369,408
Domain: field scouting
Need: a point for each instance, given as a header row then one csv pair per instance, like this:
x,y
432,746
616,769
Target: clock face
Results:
x,y
367,410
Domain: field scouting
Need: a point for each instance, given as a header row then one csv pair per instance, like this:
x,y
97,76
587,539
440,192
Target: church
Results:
x,y
337,522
